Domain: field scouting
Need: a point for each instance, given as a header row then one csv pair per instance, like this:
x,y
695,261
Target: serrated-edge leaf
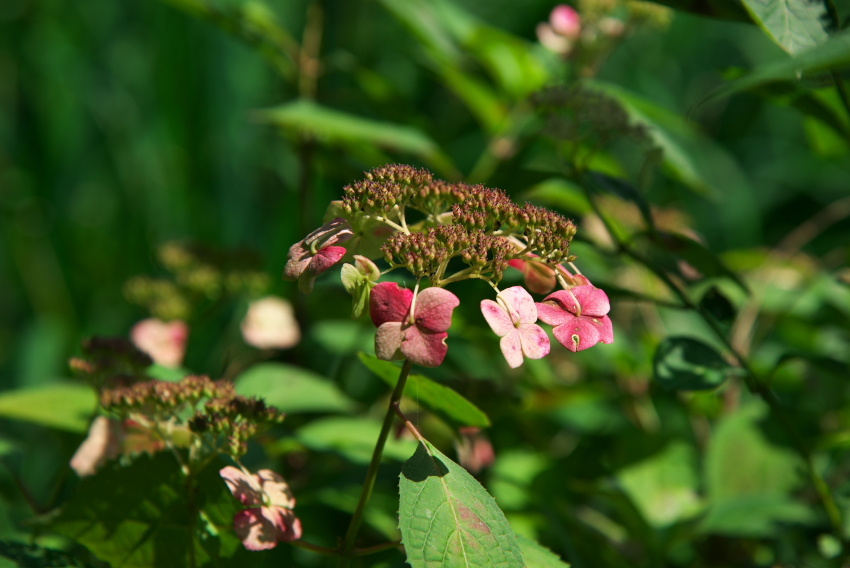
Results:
x,y
796,25
538,556
832,54
448,519
431,394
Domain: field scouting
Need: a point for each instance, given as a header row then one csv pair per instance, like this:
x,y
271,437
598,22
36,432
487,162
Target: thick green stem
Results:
x,y
372,474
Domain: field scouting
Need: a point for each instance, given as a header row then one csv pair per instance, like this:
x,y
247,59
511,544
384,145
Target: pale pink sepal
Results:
x,y
579,316
165,342
513,318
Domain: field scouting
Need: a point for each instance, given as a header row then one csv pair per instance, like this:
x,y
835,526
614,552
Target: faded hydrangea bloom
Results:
x,y
317,252
270,324
164,341
268,517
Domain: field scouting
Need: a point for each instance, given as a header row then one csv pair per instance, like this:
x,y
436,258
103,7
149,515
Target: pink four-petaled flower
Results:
x,y
513,319
420,336
579,317
268,518
317,252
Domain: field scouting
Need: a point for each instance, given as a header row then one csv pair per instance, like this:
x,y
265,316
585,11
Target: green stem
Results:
x,y
372,473
753,381
842,90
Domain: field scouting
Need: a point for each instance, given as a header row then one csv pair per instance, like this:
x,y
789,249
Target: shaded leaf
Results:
x,y
292,389
140,516
20,555
448,519
434,396
834,53
683,363
623,189
65,406
537,556
697,255
334,126
353,438
718,305
796,25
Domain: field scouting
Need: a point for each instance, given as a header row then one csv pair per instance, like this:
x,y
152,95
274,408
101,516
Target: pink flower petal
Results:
x,y
565,21
165,342
388,303
322,261
522,303
276,488
424,348
606,329
244,487
539,277
511,346
594,302
388,341
535,342
287,524
102,444
256,530
578,334
497,317
434,308
301,256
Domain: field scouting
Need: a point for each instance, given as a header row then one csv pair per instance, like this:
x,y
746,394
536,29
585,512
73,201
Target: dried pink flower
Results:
x,y
513,319
317,252
101,445
165,342
579,316
419,336
270,324
268,518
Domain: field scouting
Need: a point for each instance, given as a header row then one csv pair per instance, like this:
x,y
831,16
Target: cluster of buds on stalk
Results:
x,y
442,233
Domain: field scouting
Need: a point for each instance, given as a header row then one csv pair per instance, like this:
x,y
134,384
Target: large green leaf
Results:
x,y
354,438
338,127
537,556
66,406
292,389
749,480
683,363
448,519
434,396
142,516
796,25
834,53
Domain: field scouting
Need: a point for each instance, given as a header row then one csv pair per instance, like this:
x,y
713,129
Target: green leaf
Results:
x,y
338,127
434,396
750,481
448,519
353,438
623,189
65,406
683,363
537,556
163,373
663,487
834,53
698,255
292,389
20,555
796,25
140,516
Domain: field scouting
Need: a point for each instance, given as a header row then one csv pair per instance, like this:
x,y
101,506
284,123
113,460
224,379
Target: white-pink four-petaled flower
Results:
x,y
512,317
579,316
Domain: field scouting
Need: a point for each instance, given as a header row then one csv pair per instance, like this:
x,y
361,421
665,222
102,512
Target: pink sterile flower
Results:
x,y
165,342
512,318
565,21
268,518
101,445
421,335
270,324
317,252
474,449
579,316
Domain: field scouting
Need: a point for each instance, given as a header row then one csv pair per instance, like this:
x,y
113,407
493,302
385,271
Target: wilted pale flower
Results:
x,y
101,445
165,342
513,319
268,518
421,336
579,316
316,253
270,324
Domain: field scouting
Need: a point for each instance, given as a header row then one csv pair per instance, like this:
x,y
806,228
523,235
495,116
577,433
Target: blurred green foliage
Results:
x,y
233,123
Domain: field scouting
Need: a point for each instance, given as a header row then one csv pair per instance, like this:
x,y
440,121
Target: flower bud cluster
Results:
x,y
108,361
383,189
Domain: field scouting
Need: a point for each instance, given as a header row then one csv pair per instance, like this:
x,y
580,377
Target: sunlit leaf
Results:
x,y
434,396
796,25
292,389
141,516
683,363
66,406
448,519
537,556
353,438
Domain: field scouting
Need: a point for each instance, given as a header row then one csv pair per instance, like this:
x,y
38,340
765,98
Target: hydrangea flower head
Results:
x,y
317,252
417,332
580,317
268,518
513,319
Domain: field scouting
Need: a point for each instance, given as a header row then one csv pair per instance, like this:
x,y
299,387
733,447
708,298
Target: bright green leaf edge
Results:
x,y
64,406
